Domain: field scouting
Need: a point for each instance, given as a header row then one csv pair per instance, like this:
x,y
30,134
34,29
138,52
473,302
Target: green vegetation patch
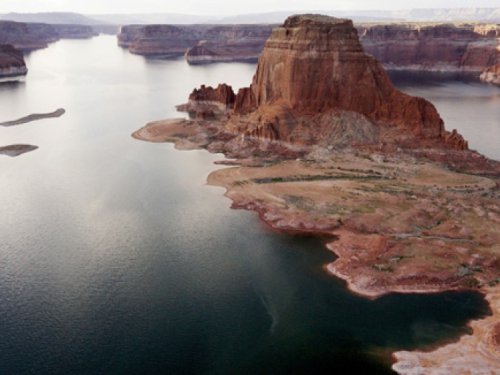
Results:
x,y
302,203
321,177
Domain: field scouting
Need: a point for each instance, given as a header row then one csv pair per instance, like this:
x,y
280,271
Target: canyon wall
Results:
x,y
230,43
159,39
30,36
443,47
18,35
200,43
62,31
11,62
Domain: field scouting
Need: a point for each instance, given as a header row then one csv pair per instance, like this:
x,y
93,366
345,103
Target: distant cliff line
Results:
x,y
32,36
425,46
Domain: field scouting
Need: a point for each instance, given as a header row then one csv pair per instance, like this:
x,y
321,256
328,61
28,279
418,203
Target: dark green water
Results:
x,y
116,258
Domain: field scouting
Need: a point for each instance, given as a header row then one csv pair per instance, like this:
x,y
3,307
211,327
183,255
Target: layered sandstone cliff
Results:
x,y
129,34
11,62
312,72
444,47
200,43
230,43
52,32
19,35
158,39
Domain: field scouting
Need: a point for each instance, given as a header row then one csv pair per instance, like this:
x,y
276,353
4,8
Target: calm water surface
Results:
x,y
116,258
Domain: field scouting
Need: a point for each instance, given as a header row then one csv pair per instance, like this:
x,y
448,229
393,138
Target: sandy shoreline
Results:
x,y
404,224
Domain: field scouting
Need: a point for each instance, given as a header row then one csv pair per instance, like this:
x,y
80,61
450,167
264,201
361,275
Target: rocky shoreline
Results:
x,y
404,223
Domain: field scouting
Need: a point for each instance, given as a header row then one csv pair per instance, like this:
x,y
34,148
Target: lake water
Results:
x,y
116,258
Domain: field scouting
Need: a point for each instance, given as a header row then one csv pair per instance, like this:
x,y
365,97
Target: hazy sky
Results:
x,y
225,7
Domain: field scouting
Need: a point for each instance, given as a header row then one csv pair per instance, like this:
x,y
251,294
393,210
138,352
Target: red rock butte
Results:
x,y
314,66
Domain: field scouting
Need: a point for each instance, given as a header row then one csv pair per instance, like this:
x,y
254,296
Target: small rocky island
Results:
x,y
19,149
324,144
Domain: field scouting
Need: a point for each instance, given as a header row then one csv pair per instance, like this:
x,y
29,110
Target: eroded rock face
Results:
x,y
11,62
438,46
222,94
245,49
18,35
128,34
52,33
230,43
208,99
444,47
313,65
200,43
491,75
160,40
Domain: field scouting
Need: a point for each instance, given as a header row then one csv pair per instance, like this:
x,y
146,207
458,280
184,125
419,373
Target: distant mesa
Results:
x,y
460,47
230,43
450,47
315,85
200,44
32,36
157,40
